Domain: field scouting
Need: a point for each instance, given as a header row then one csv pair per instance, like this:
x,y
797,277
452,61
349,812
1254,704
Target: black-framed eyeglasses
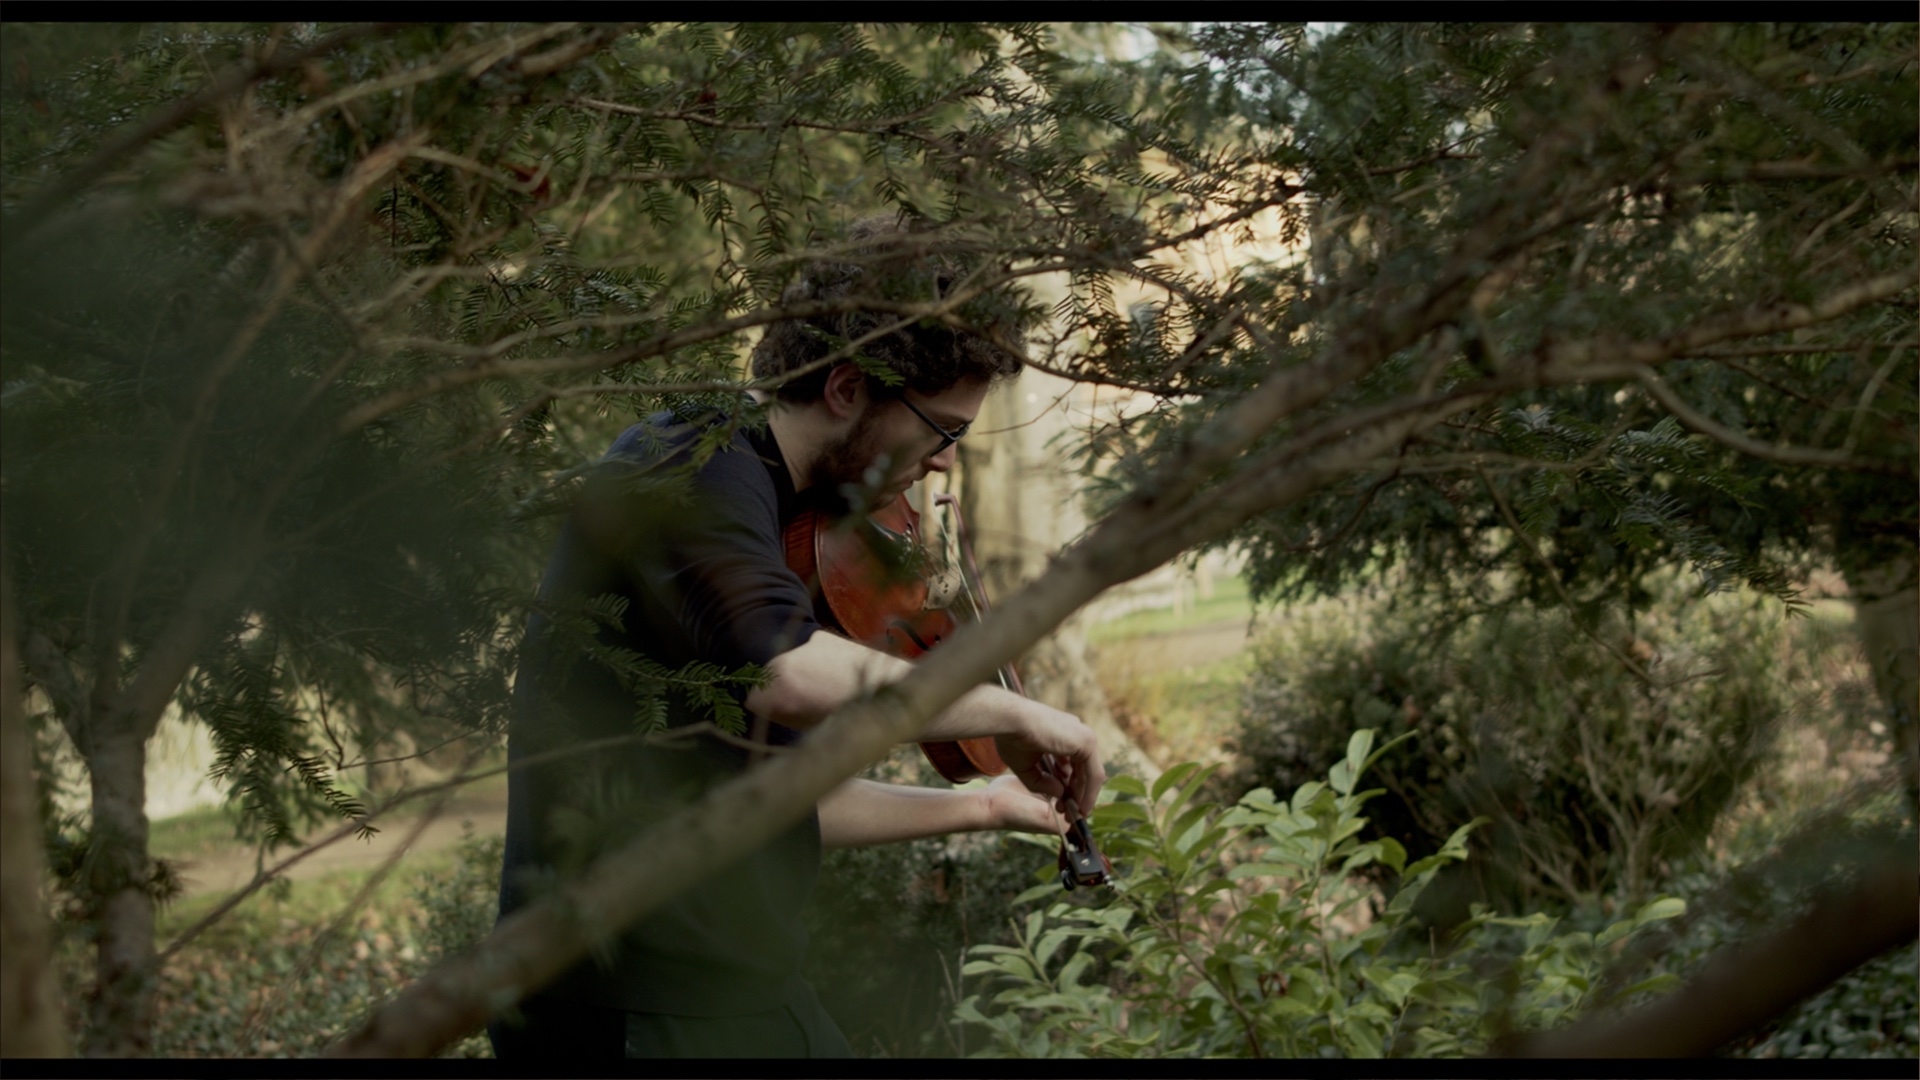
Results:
x,y
947,438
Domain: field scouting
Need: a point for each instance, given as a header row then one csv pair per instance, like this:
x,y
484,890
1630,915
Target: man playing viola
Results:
x,y
682,559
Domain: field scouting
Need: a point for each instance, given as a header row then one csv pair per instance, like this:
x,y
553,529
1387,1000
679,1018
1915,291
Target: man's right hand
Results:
x,y
1054,754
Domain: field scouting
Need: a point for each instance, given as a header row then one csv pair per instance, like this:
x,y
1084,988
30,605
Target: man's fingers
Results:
x,y
1040,782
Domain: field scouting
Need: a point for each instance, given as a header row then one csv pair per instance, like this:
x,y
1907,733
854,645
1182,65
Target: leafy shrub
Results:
x,y
1593,779
455,909
452,911
1245,931
284,975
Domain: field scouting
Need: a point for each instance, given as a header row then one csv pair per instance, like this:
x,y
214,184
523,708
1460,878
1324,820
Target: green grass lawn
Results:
x,y
1228,603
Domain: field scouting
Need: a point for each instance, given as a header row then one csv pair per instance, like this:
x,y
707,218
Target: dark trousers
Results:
x,y
551,1031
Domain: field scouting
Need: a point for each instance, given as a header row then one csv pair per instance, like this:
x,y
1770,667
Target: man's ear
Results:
x,y
846,390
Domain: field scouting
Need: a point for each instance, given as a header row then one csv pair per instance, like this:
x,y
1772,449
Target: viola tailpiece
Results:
x,y
1082,865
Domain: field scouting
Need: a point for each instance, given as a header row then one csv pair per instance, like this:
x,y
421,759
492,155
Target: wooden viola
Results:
x,y
873,575
864,569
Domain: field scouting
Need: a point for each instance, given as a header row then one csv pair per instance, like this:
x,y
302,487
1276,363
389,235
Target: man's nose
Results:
x,y
943,461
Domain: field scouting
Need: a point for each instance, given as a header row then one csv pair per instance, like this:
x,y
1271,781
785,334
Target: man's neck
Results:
x,y
799,444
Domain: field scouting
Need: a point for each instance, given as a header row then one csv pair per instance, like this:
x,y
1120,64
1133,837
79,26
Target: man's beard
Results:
x,y
851,468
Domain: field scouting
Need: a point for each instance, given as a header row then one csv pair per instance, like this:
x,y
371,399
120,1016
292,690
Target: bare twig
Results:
x,y
250,1030
1747,444
1866,402
359,825
1526,538
39,209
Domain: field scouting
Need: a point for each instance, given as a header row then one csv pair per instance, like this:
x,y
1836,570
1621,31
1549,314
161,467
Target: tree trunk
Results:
x,y
31,1025
119,880
1021,507
1887,614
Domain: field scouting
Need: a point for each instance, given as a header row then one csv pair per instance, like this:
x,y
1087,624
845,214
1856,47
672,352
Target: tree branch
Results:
x,y
1747,985
1747,444
1603,358
39,209
360,824
49,668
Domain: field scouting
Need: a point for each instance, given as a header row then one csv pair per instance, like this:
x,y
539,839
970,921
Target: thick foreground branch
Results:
x,y
1748,985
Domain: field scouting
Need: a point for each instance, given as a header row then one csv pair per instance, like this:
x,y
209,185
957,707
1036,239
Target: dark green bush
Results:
x,y
1595,779
455,909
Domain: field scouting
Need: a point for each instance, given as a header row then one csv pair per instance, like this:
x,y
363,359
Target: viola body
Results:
x,y
870,573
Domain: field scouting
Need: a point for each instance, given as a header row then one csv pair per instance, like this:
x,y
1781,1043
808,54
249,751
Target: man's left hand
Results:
x,y
1010,807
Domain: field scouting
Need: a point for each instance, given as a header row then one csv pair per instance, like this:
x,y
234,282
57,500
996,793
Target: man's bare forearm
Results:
x,y
1051,751
828,671
863,812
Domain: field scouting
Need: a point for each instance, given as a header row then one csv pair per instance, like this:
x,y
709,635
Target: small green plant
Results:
x,y
1247,931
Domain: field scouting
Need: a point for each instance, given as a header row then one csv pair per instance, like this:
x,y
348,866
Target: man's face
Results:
x,y
890,447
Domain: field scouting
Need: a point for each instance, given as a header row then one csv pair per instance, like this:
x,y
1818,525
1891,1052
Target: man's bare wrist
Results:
x,y
983,818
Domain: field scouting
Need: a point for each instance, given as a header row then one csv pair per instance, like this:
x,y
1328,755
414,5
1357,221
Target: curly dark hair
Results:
x,y
885,264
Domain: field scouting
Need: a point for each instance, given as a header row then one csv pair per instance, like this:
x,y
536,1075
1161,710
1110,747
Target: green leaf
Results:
x,y
1458,841
1429,864
1342,777
1615,932
1179,830
1357,747
1361,1039
1286,868
1038,892
1291,1006
1172,777
1392,853
1304,795
1189,788
1655,984
1665,907
1381,750
1050,943
1075,967
1112,815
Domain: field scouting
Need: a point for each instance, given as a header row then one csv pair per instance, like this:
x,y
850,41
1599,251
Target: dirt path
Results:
x,y
484,808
